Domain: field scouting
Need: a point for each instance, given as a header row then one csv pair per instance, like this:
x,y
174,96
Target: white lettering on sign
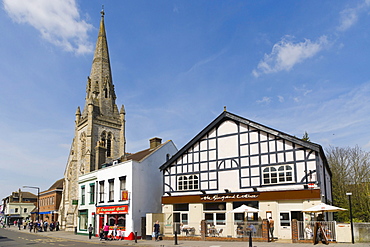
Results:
x,y
226,197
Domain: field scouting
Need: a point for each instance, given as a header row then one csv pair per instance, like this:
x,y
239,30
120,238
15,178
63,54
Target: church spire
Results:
x,y
100,88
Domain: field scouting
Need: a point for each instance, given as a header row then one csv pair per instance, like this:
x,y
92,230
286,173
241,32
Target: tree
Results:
x,y
350,173
306,137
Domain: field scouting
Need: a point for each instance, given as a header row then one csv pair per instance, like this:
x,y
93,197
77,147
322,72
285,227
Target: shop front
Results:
x,y
219,211
114,215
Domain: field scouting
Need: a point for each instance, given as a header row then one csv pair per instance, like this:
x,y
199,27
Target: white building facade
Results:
x,y
235,161
124,192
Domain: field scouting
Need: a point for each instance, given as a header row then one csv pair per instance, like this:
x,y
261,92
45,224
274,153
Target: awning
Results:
x,y
48,212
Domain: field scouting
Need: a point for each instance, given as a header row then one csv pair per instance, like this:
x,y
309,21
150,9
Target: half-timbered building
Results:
x,y
235,161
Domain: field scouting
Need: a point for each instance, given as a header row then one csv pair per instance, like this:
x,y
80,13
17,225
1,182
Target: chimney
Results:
x,y
155,142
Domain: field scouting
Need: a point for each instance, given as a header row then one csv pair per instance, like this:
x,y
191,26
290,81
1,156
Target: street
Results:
x,y
23,238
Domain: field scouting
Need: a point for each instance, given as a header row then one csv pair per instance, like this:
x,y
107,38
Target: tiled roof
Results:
x,y
57,185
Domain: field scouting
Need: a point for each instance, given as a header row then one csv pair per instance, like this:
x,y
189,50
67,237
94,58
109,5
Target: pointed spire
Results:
x,y
99,84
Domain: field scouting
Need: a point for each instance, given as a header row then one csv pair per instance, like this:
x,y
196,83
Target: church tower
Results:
x,y
99,130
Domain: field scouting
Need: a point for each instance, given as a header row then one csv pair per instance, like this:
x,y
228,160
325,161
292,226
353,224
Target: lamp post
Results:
x,y
38,199
349,194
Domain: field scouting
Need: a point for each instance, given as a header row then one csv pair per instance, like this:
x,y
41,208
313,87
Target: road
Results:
x,y
14,238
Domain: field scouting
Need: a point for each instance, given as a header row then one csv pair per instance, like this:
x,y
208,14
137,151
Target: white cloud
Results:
x,y
266,100
281,98
286,54
58,21
350,16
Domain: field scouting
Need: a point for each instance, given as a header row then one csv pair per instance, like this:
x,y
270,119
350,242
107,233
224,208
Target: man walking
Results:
x,y
90,231
271,227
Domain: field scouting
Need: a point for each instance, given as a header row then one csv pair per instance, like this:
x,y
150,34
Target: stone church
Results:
x,y
99,131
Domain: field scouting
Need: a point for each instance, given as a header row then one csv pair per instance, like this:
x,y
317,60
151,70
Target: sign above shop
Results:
x,y
246,196
222,198
122,209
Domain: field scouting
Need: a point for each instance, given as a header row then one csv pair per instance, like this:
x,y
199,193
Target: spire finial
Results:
x,y
102,11
224,108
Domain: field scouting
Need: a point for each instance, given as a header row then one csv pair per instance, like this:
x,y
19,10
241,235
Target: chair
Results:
x,y
220,232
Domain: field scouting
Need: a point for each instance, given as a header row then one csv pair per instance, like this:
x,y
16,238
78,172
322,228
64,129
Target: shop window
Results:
x,y
101,191
188,182
119,220
181,207
92,193
282,174
284,219
111,189
215,218
238,218
83,195
82,220
214,206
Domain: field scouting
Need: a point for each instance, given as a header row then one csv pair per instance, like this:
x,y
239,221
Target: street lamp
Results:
x,y
38,199
349,194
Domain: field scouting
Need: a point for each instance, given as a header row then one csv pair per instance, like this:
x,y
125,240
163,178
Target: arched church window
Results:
x,y
103,137
109,145
83,144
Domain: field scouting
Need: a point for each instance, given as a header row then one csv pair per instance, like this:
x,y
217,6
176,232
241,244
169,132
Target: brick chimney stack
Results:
x,y
155,142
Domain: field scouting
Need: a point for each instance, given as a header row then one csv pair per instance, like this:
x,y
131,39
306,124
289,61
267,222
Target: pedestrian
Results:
x,y
37,227
19,222
106,230
115,231
156,230
91,228
45,226
30,225
57,226
271,227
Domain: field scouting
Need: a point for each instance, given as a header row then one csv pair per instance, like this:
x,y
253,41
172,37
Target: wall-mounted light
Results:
x,y
168,193
255,189
203,192
227,191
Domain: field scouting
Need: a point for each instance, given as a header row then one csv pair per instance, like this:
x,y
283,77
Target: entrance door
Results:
x,y
285,230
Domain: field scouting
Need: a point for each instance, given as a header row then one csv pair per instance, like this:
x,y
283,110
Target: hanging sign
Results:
x,y
124,195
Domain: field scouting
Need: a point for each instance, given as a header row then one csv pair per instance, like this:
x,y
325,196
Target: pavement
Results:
x,y
171,243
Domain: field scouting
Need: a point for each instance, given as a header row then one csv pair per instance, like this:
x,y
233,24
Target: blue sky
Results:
x,y
294,66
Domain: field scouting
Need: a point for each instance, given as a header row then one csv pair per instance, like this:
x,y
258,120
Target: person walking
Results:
x,y
91,228
156,230
19,222
30,225
115,231
271,227
106,230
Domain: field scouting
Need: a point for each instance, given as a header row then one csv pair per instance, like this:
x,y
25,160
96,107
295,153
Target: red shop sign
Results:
x,y
112,209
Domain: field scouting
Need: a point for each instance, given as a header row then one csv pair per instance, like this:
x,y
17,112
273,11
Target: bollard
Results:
x,y
135,237
176,238
250,238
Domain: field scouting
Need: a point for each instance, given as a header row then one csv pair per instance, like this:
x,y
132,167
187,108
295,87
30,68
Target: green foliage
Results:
x,y
306,137
350,173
